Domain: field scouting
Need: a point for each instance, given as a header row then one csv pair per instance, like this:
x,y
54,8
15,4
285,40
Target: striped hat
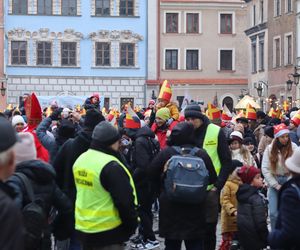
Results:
x,y
165,91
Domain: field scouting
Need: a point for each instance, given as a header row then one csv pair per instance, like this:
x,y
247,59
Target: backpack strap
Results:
x,y
194,151
27,185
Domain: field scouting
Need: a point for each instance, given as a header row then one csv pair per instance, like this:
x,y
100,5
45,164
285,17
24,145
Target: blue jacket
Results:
x,y
287,231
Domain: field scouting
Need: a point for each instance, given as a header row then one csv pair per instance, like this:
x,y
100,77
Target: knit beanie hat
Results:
x,y
280,130
193,111
182,134
25,148
163,113
247,174
105,134
92,118
66,129
17,119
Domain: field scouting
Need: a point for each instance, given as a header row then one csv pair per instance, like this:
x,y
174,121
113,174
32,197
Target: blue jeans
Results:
x,y
273,201
189,244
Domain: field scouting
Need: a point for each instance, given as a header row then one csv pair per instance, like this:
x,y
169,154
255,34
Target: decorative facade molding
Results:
x,y
78,12
34,7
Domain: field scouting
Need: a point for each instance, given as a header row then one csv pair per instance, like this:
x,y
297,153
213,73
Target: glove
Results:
x,y
170,121
55,115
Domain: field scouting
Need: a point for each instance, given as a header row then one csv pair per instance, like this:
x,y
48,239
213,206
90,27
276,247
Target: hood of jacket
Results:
x,y
37,170
84,137
145,131
244,192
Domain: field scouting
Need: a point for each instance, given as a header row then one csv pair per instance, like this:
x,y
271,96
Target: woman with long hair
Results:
x,y
273,166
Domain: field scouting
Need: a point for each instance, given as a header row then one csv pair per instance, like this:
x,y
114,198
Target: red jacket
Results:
x,y
161,134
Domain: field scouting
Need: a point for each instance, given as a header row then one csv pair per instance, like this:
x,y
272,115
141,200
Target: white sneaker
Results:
x,y
151,244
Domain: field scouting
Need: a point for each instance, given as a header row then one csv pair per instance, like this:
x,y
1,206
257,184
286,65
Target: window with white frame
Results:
x,y
172,22
288,49
276,52
127,54
253,54
288,6
68,53
69,7
19,52
44,53
226,59
126,8
192,22
192,59
226,23
261,45
102,7
277,8
20,7
102,54
171,59
44,7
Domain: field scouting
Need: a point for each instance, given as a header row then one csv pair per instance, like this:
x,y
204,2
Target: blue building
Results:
x,y
76,46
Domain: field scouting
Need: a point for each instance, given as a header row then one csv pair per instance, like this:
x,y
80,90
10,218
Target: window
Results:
x,y
126,7
253,54
102,7
288,6
226,24
226,60
68,53
276,8
192,59
127,54
262,11
192,23
19,52
43,53
171,59
254,15
106,103
288,49
172,23
19,7
69,7
44,7
276,53
261,53
102,54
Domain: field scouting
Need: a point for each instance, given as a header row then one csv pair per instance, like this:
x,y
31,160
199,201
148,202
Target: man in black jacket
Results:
x,y
211,138
69,153
11,236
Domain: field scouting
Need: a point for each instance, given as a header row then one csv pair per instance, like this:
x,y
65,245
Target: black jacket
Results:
x,y
287,230
179,221
223,152
42,177
251,218
115,180
66,157
12,231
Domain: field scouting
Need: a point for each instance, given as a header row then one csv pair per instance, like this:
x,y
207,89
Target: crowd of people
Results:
x,y
91,180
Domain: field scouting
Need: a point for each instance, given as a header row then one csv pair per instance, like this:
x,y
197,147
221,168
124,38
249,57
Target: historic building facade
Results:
x,y
79,47
202,49
2,75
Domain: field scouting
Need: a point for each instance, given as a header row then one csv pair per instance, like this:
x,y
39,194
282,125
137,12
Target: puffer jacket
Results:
x,y
42,178
251,218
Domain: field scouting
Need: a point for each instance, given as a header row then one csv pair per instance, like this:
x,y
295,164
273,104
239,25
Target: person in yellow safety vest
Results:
x,y
106,201
211,138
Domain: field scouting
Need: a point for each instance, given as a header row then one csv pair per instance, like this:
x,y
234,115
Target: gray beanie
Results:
x,y
105,134
193,111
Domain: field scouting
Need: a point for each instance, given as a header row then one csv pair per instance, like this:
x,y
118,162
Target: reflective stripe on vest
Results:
x,y
94,207
210,144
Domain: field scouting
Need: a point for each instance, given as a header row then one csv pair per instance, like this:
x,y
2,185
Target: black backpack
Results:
x,y
34,216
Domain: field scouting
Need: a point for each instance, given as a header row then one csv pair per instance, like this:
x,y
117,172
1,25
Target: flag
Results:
x,y
132,120
286,105
296,118
250,113
226,114
213,112
274,113
165,92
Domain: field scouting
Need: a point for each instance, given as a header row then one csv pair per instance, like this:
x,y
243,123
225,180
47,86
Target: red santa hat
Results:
x,y
280,130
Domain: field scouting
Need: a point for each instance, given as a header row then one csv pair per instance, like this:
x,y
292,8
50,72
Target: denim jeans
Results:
x,y
189,244
273,201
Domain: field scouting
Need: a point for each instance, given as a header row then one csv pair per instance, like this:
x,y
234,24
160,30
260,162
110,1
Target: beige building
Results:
x,y
257,33
282,48
201,48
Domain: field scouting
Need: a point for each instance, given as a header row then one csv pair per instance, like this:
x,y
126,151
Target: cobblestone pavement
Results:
x,y
162,246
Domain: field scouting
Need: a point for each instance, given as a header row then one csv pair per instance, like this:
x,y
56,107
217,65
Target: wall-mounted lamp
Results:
x,y
2,89
296,76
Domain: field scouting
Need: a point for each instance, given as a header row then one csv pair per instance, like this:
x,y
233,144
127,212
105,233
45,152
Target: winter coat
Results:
x,y
162,132
222,149
228,202
281,170
259,132
142,155
173,110
251,218
294,137
115,181
42,178
65,159
12,230
287,230
237,155
88,105
249,133
179,221
263,143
